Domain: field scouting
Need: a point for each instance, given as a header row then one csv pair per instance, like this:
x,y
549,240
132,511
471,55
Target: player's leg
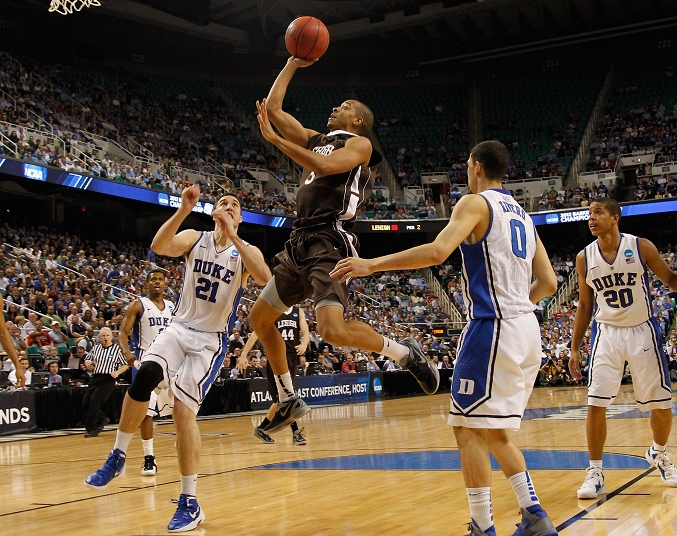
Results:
x,y
333,328
149,467
607,361
476,469
657,455
188,513
259,430
510,458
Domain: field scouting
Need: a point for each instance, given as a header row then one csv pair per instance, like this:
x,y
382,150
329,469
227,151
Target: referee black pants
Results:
x,y
101,386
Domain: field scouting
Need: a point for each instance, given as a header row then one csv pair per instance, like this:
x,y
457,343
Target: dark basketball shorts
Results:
x,y
302,269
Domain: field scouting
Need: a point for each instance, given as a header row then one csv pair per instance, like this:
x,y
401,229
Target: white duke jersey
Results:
x,y
212,287
622,292
497,269
151,322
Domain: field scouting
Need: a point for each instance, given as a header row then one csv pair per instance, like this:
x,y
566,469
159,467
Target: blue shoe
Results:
x,y
475,530
188,514
535,522
114,466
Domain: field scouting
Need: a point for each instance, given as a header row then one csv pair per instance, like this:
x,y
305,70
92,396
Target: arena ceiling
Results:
x,y
420,30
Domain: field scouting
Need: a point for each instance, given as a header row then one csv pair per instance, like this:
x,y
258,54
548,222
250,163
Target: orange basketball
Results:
x,y
307,38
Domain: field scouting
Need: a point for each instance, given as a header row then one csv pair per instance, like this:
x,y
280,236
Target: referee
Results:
x,y
109,362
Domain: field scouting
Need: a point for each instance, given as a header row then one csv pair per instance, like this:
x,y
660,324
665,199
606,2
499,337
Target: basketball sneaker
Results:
x,y
114,466
291,410
593,485
535,522
149,466
475,530
188,514
258,432
665,466
298,438
422,368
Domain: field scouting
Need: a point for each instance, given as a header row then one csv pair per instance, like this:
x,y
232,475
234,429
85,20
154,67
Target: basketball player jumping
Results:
x,y
188,354
614,281
293,328
336,181
143,320
499,352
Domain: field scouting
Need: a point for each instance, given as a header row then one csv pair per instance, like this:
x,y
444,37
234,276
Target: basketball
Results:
x,y
307,38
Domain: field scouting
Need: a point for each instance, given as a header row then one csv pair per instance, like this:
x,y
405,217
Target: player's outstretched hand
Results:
x,y
190,196
20,378
264,123
298,62
351,267
575,364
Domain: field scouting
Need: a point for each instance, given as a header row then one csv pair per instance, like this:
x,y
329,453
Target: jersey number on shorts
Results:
x,y
206,286
624,296
519,239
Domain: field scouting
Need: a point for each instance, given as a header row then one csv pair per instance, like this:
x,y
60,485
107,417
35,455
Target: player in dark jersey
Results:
x,y
337,180
293,327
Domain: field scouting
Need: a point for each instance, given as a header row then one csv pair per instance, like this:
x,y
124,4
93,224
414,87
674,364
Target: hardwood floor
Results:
x,y
385,467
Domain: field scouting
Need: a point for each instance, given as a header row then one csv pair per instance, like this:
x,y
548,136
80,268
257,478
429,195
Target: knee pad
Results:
x,y
147,378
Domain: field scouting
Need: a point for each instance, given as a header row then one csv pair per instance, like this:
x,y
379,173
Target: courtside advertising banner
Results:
x,y
17,412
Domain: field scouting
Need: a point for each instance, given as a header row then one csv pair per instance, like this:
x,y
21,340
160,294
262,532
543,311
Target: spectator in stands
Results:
x,y
40,339
348,365
59,339
28,374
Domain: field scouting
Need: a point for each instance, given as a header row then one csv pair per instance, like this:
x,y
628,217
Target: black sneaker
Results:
x,y
291,410
103,424
298,438
258,432
91,433
422,368
149,466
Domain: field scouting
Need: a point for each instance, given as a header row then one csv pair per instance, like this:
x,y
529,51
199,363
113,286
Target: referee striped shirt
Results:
x,y
106,359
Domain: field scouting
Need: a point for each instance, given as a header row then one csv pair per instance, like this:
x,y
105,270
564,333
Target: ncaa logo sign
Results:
x,y
552,218
163,199
627,253
378,388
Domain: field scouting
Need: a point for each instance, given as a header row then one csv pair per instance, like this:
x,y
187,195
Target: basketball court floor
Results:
x,y
385,467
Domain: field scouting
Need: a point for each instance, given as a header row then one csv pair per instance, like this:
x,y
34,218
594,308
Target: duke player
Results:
x,y
336,182
188,354
144,319
500,349
614,290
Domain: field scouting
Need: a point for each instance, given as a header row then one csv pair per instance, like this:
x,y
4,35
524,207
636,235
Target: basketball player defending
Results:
x,y
293,328
614,281
188,354
336,181
144,319
500,349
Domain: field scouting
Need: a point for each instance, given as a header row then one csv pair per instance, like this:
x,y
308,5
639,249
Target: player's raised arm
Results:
x,y
545,280
289,127
656,263
8,345
167,241
134,311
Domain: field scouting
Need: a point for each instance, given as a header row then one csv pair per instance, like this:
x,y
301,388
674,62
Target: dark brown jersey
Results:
x,y
333,198
289,327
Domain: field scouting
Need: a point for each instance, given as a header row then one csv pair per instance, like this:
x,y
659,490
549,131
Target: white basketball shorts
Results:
x,y
190,361
642,348
495,371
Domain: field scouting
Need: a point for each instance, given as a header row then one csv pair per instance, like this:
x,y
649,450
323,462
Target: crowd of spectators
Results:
x,y
578,196
164,137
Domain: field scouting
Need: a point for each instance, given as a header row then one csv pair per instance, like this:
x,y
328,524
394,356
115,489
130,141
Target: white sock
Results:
x,y
399,352
284,386
147,446
659,448
524,489
596,463
122,440
479,500
188,485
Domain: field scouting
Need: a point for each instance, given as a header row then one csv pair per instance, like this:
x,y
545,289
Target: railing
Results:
x,y
194,175
249,185
445,301
563,292
254,128
216,166
164,126
387,174
32,116
102,123
83,157
36,78
139,150
583,153
13,62
55,140
9,145
8,98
